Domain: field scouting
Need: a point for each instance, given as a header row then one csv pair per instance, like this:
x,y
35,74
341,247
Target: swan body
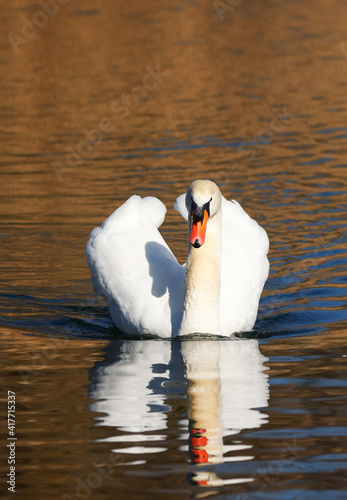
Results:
x,y
217,291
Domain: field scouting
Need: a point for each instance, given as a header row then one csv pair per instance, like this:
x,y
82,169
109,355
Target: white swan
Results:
x,y
148,291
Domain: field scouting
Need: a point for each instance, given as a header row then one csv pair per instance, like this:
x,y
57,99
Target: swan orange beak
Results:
x,y
198,230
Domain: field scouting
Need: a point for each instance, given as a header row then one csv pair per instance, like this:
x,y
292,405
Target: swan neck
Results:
x,y
202,283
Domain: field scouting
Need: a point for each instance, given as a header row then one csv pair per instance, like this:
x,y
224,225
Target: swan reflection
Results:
x,y
224,382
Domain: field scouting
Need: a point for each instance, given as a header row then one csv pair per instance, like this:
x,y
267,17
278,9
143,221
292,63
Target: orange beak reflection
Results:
x,y
198,231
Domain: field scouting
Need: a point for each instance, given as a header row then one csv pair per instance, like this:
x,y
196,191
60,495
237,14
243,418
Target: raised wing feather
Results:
x,y
135,270
244,268
180,206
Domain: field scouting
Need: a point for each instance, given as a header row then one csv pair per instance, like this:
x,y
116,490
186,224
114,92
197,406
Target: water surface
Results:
x,y
254,98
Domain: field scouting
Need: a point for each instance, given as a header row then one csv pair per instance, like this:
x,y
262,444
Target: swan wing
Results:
x,y
133,267
244,268
180,206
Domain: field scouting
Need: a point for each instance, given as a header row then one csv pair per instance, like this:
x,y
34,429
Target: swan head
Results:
x,y
203,202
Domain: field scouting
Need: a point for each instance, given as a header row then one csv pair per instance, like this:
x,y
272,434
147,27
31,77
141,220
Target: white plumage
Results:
x,y
143,283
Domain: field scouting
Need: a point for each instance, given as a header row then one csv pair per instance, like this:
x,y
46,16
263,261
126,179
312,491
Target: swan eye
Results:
x,y
206,207
197,211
